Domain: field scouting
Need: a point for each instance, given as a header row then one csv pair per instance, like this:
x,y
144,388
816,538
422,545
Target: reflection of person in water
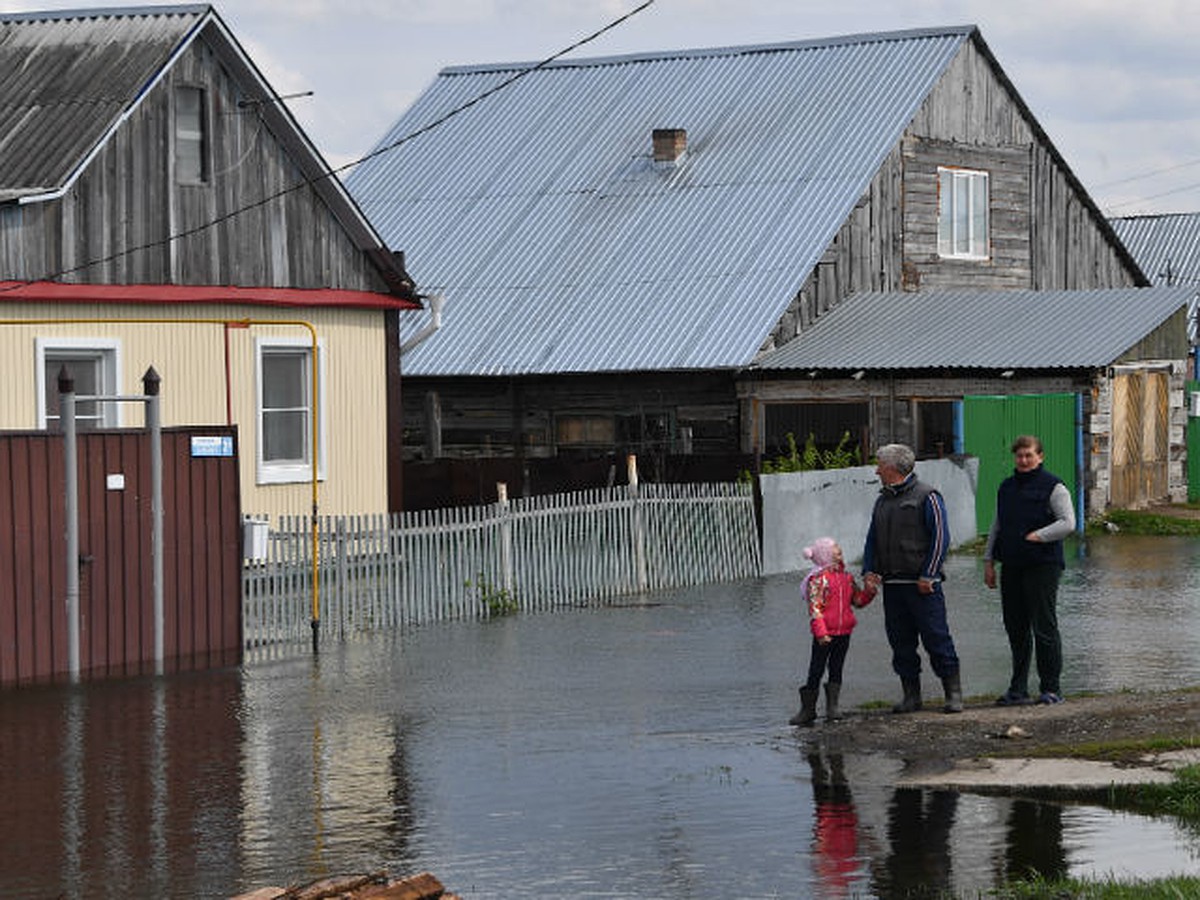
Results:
x,y
835,828
1034,844
919,825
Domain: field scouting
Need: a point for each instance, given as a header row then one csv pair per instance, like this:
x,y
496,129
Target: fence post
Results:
x,y
639,526
506,538
66,406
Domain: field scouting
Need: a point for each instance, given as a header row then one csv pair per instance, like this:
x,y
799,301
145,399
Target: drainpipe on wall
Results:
x,y
435,322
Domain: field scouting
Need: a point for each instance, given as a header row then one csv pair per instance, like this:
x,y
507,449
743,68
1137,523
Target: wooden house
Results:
x,y
621,240
160,206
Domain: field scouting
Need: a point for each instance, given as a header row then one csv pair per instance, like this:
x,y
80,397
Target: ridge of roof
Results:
x,y
101,12
871,37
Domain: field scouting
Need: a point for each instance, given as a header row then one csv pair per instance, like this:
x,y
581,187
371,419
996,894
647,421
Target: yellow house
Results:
x,y
160,206
238,356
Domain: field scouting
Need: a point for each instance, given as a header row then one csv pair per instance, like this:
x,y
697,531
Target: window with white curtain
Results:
x,y
285,410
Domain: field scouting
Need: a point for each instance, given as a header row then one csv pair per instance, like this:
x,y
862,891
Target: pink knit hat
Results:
x,y
821,552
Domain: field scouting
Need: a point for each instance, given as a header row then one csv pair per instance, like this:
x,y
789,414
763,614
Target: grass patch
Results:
x,y
1132,521
1123,751
1180,798
1095,889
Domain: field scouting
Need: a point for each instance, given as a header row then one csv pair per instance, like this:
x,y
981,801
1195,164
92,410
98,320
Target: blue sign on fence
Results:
x,y
212,445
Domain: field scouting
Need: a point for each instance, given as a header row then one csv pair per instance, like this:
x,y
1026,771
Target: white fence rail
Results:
x,y
376,573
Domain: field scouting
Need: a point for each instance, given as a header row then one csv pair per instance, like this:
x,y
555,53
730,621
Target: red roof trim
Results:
x,y
300,298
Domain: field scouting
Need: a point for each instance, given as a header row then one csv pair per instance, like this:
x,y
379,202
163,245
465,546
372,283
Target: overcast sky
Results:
x,y
1115,83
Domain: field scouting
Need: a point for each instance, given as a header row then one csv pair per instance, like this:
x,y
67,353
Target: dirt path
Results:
x,y
933,737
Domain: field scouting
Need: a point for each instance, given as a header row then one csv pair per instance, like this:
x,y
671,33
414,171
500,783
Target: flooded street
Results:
x,y
633,750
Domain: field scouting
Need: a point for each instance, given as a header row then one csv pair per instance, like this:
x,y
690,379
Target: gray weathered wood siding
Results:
x,y
496,416
1043,234
128,198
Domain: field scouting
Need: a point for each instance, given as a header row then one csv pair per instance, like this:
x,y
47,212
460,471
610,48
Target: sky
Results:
x,y
1114,83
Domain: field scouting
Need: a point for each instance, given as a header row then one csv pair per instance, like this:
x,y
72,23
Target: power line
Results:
x,y
1178,190
1149,174
308,182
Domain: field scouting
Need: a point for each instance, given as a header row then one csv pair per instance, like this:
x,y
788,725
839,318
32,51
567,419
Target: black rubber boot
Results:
x,y
912,696
808,708
953,688
832,689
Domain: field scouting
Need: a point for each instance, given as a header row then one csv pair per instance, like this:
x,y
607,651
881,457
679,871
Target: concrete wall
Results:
x,y
799,507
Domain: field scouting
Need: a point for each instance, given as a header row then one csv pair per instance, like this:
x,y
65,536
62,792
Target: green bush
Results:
x,y
811,457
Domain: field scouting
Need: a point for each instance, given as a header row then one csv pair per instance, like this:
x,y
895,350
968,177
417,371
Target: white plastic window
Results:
x,y
962,214
285,411
93,365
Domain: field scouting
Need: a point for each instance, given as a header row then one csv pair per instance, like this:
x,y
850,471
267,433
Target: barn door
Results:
x,y
1140,438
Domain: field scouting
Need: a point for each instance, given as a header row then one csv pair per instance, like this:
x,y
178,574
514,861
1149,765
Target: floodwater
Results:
x,y
633,750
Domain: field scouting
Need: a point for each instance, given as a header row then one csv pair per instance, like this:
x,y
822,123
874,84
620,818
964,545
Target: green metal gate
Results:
x,y
990,423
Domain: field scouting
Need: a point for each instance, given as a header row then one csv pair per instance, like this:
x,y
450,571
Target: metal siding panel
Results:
x,y
981,329
990,424
537,212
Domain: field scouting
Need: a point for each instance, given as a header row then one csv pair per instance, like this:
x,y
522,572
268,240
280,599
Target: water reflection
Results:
x,y
110,786
835,827
639,751
1034,841
918,861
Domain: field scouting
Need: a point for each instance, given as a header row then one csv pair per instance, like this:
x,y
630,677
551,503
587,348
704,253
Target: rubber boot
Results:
x,y
832,689
912,696
953,688
808,708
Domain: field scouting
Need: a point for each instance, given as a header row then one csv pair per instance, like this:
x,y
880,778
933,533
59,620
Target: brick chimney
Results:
x,y
669,144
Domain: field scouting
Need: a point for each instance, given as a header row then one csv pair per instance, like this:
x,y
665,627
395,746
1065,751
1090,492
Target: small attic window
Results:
x,y
669,144
191,136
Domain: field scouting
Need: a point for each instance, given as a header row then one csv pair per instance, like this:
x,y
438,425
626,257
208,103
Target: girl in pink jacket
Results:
x,y
831,594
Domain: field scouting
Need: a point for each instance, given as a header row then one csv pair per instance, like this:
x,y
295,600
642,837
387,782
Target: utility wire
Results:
x,y
1178,190
308,182
1150,174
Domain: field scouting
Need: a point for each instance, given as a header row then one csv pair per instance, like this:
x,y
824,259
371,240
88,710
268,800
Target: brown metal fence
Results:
x,y
201,559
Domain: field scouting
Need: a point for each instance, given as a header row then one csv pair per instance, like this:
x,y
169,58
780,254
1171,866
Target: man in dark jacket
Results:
x,y
907,543
1033,515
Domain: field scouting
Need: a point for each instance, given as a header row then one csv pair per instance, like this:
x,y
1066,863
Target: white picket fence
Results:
x,y
376,573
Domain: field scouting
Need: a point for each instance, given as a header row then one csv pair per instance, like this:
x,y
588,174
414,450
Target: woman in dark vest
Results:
x,y
1033,514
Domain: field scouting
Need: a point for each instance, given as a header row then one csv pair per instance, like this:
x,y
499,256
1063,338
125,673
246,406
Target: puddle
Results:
x,y
640,751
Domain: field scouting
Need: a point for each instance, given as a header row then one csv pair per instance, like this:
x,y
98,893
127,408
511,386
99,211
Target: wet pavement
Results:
x,y
635,750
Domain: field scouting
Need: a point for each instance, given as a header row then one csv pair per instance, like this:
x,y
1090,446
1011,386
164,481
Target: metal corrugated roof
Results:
x,y
69,75
981,329
1167,247
561,246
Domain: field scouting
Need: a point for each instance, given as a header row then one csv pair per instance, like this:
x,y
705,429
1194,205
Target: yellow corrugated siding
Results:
x,y
190,357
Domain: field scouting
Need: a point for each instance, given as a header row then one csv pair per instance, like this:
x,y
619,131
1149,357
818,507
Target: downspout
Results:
x,y
1080,469
435,322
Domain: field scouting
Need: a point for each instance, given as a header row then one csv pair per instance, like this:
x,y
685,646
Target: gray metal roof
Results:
x,y
68,77
561,246
981,329
1167,247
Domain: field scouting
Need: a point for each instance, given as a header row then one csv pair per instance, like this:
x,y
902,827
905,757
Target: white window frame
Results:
x,y
107,350
268,472
958,230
